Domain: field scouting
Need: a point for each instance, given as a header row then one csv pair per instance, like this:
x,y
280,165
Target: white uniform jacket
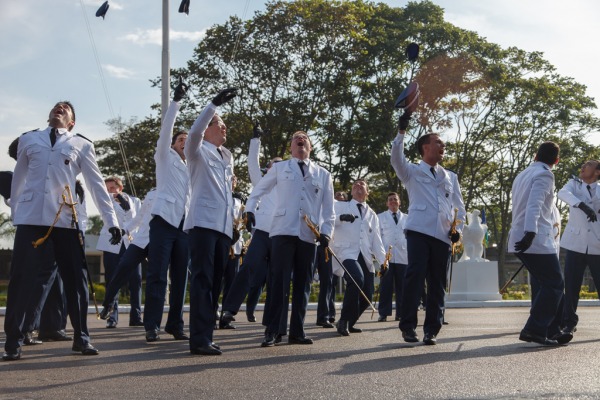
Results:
x,y
362,236
431,200
43,171
580,235
297,196
264,212
172,175
392,234
123,217
211,206
139,226
532,209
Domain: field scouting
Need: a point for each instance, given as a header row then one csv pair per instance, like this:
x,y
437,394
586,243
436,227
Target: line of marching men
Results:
x,y
192,218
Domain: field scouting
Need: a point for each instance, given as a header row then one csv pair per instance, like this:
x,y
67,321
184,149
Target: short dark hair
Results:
x,y
393,194
176,135
424,140
548,153
12,148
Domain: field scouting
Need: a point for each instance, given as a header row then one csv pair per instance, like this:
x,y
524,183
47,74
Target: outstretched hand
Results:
x,y
180,90
591,214
404,120
224,96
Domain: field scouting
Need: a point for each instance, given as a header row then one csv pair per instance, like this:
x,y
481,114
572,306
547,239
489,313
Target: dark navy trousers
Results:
x,y
427,261
128,269
251,276
167,251
326,304
134,281
575,265
290,256
31,270
547,292
354,303
50,314
209,251
391,283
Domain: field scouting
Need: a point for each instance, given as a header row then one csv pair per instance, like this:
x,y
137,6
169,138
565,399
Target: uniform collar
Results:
x,y
59,131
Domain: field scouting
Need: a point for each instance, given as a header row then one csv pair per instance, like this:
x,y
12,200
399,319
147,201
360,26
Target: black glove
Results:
x,y
116,235
404,120
324,240
250,220
180,90
122,202
257,132
347,218
224,96
239,196
382,270
525,243
235,237
591,215
454,237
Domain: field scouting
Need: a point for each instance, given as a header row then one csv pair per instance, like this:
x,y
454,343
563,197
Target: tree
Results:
x,y
334,69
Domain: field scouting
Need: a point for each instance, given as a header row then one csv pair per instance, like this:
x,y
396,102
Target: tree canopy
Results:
x,y
334,69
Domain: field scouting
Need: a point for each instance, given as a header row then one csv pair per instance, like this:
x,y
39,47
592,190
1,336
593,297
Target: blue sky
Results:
x,y
47,55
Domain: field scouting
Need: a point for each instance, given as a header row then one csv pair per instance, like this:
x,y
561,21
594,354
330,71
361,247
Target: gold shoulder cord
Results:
x,y
41,240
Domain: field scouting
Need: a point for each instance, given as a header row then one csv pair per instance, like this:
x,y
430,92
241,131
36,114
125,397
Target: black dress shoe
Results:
x,y
11,355
269,340
325,324
216,346
105,313
342,328
177,335
299,340
227,317
251,317
56,336
352,329
86,349
429,339
527,336
152,336
382,318
29,340
226,325
332,319
278,338
410,336
563,337
207,350
136,323
111,324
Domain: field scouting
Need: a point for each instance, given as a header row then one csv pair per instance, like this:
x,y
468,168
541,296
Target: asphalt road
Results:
x,y
478,356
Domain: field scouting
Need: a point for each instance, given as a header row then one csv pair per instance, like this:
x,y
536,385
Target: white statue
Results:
x,y
472,238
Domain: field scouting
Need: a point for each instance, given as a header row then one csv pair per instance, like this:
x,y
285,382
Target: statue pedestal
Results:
x,y
474,280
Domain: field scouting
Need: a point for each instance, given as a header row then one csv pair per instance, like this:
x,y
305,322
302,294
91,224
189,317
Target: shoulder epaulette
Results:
x,y
33,130
576,179
81,136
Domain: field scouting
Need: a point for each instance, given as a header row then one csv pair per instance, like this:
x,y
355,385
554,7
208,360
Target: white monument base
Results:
x,y
474,280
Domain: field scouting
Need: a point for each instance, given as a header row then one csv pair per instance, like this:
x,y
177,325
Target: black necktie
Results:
x,y
53,136
360,208
301,165
589,188
395,218
432,171
220,152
